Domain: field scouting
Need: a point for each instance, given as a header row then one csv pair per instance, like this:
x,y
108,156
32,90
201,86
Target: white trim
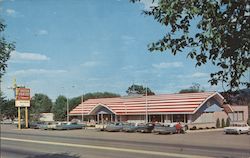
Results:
x,y
211,96
98,105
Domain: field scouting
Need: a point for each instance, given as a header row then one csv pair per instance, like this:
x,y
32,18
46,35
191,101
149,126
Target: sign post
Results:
x,y
19,118
26,117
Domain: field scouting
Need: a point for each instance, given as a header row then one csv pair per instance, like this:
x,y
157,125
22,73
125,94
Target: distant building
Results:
x,y
201,109
46,117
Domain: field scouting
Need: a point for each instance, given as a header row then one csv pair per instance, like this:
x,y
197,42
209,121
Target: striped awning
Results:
x,y
187,103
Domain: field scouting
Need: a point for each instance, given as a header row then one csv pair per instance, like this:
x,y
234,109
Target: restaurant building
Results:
x,y
191,108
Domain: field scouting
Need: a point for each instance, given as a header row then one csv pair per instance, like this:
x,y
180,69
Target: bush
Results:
x,y
228,122
218,123
193,128
223,123
248,121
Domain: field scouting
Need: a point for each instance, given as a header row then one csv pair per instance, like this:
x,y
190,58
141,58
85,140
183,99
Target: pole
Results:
x,y
82,108
26,117
19,118
67,109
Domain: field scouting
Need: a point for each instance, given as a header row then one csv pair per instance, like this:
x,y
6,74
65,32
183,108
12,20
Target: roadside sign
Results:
x,y
22,97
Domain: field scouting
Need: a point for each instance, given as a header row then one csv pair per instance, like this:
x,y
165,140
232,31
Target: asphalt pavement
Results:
x,y
31,143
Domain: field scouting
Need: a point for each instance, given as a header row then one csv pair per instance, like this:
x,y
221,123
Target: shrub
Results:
x,y
193,128
218,123
228,122
223,123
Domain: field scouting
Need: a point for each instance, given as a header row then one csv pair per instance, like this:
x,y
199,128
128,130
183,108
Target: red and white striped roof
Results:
x,y
156,104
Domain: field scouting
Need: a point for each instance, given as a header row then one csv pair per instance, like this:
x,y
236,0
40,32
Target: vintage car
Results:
x,y
145,128
68,126
237,128
164,129
48,126
130,127
114,127
35,125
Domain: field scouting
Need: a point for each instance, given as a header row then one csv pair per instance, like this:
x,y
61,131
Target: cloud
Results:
x,y
17,56
199,74
11,12
90,64
194,75
149,3
42,32
165,65
37,71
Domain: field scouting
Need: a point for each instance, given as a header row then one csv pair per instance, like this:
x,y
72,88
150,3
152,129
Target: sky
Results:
x,y
72,47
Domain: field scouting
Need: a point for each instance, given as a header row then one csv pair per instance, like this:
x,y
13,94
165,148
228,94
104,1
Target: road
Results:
x,y
92,144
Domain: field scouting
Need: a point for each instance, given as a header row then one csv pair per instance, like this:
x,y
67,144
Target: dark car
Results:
x,y
36,125
145,128
114,127
165,129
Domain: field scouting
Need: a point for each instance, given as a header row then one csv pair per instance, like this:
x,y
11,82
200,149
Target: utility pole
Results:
x,y
82,106
67,109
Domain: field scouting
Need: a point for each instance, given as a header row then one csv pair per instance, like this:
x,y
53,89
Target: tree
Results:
x,y
8,108
139,89
40,103
59,109
210,30
195,88
222,123
228,122
5,49
218,123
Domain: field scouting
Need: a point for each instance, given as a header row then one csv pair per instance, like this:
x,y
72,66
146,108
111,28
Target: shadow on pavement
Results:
x,y
60,155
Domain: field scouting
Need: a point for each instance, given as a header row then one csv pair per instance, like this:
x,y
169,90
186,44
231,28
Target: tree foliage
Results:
x,y
211,30
8,108
218,123
59,109
223,123
40,103
5,49
195,88
139,89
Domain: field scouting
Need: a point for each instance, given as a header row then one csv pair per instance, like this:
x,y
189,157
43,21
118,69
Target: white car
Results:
x,y
237,128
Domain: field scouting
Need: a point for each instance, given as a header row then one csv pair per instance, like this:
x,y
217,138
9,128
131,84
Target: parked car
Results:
x,y
145,128
165,128
36,125
15,121
100,127
237,128
6,121
48,126
114,127
130,127
68,126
